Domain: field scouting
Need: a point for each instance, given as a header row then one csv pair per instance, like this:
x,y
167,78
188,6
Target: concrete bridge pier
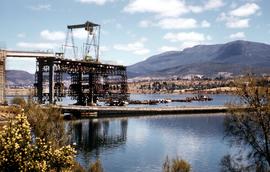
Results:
x,y
2,75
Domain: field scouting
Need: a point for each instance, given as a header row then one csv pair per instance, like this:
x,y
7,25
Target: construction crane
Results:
x,y
91,45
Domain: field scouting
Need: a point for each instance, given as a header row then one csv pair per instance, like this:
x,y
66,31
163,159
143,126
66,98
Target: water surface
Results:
x,y
142,144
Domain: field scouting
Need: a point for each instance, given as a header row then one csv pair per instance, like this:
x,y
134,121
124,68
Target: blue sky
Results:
x,y
132,30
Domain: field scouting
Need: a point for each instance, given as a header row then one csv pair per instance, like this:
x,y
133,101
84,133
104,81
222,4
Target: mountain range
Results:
x,y
19,78
237,57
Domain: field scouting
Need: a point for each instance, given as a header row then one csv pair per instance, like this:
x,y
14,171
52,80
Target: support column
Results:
x,y
40,80
81,100
51,81
2,75
91,89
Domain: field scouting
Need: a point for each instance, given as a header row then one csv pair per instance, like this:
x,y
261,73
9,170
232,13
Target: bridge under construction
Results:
x,y
89,79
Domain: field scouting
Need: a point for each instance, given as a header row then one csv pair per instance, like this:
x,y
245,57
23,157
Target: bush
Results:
x,y
47,123
19,151
96,167
176,165
18,101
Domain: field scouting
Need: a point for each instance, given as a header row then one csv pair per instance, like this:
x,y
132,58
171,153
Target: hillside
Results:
x,y
19,78
236,57
23,78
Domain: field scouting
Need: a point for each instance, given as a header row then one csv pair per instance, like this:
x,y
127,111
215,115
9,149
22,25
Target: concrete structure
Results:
x,y
23,54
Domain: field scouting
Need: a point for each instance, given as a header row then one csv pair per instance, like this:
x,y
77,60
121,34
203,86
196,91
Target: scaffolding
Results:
x,y
89,81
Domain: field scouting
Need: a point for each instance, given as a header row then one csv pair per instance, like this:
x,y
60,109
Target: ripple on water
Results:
x,y
142,144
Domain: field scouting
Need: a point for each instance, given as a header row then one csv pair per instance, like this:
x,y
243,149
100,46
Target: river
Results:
x,y
142,144
218,100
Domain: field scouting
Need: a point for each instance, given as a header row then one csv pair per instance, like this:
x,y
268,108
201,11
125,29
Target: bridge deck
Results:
x,y
29,54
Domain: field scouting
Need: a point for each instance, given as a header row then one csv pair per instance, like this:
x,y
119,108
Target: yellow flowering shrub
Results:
x,y
20,151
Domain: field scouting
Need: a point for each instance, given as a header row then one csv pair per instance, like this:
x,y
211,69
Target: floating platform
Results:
x,y
102,111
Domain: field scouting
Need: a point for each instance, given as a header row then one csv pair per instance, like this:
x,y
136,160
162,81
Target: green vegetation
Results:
x,y
249,128
20,151
96,167
46,122
176,165
18,101
49,145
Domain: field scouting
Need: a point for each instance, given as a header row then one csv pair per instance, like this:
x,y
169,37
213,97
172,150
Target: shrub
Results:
x,y
96,167
47,123
176,165
19,151
18,101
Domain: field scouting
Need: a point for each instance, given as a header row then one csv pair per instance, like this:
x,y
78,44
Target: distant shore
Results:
x,y
19,91
219,90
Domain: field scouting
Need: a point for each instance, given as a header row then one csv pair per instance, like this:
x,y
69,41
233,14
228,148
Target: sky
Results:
x,y
131,30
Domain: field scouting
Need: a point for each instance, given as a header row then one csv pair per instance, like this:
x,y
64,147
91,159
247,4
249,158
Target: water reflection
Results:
x,y
142,144
92,137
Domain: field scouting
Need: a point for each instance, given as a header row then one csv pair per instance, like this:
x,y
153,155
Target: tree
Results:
x,y
248,123
20,151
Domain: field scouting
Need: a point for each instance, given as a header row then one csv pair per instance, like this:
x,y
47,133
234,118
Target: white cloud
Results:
x,y
205,24
245,10
52,35
169,8
178,23
136,47
238,35
237,23
41,7
186,37
209,5
97,2
213,4
168,48
234,22
165,8
196,9
235,18
39,45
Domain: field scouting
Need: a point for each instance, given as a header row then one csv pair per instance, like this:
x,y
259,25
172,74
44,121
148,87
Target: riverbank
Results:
x,y
19,91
